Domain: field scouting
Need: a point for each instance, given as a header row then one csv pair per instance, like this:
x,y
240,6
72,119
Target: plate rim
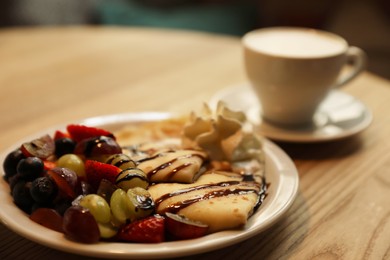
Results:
x,y
147,251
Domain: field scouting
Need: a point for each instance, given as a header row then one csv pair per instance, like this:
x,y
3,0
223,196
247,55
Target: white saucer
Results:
x,y
340,116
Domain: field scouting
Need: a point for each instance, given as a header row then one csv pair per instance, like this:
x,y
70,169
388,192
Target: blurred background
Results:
x,y
364,23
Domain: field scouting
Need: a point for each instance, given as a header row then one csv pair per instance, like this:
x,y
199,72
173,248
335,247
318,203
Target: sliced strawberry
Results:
x,y
96,171
181,227
80,132
48,165
60,134
147,230
65,189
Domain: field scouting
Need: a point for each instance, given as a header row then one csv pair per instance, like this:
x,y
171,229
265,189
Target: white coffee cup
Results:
x,y
293,69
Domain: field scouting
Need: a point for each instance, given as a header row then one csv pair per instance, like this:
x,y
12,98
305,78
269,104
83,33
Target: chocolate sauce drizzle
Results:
x,y
176,207
129,177
169,163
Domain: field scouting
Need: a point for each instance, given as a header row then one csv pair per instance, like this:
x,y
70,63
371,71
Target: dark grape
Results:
x,y
10,163
48,218
97,146
22,196
106,189
42,147
80,225
84,188
64,146
43,190
30,168
62,205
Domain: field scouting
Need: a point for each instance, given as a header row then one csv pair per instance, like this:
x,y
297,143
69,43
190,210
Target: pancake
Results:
x,y
183,166
222,200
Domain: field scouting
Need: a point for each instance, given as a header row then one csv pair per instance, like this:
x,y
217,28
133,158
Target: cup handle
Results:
x,y
358,59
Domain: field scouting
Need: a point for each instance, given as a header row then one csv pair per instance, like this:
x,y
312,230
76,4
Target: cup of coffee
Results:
x,y
292,69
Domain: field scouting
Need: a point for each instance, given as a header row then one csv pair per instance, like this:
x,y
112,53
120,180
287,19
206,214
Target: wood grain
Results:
x,y
51,75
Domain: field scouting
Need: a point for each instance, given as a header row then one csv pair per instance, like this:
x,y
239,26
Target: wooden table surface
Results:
x,y
49,76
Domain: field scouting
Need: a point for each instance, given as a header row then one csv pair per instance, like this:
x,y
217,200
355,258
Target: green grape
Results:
x,y
121,161
131,178
115,222
141,203
119,203
73,162
98,207
107,230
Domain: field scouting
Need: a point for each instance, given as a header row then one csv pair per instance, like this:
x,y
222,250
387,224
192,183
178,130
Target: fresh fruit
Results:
x,y
80,183
43,190
84,188
121,161
98,207
42,147
68,174
131,178
48,165
60,134
147,230
81,132
96,171
13,180
22,196
10,163
99,148
73,162
80,225
107,230
66,181
49,218
61,205
181,227
119,204
106,189
30,168
142,204
64,146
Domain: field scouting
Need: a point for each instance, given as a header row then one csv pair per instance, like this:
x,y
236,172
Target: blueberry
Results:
x,y
43,190
10,163
22,197
30,168
13,180
64,146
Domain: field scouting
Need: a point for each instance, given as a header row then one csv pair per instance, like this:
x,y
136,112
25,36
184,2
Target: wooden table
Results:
x,y
49,76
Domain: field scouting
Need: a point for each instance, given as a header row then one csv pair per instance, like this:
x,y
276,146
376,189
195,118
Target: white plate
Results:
x,y
280,173
339,116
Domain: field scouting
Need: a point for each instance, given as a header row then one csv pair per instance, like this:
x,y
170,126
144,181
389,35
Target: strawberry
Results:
x,y
65,188
48,165
147,230
80,132
96,171
60,134
181,227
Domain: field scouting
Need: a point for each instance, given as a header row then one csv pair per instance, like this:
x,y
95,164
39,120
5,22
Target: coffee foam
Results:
x,y
295,43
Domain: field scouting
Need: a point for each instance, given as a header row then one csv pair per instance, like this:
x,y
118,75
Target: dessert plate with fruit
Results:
x,y
145,185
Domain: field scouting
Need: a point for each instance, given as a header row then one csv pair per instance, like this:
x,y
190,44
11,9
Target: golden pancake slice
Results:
x,y
222,200
183,166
